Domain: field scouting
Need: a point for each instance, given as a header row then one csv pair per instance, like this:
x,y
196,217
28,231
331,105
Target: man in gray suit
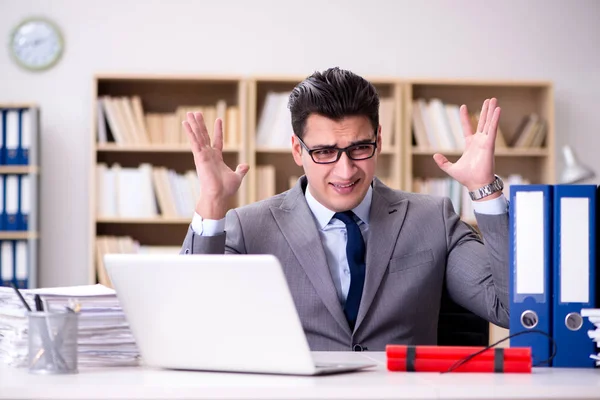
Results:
x,y
366,264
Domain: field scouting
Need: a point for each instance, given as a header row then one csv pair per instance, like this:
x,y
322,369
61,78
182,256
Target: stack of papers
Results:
x,y
105,338
593,314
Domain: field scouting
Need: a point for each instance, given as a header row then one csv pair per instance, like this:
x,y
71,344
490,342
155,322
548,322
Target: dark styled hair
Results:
x,y
335,94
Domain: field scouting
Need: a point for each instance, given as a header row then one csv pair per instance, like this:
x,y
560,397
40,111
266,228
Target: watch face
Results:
x,y
36,44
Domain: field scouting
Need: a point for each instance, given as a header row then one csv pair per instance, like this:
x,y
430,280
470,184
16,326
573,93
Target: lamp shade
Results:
x,y
573,170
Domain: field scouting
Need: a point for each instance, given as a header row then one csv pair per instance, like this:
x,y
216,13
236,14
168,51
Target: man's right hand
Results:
x,y
218,183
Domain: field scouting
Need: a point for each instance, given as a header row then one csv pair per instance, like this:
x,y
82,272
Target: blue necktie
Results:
x,y
355,252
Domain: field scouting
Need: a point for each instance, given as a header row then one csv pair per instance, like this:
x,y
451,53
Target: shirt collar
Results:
x,y
323,215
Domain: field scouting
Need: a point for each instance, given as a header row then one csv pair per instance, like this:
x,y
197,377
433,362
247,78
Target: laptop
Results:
x,y
231,313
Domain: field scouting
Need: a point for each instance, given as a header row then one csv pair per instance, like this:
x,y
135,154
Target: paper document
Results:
x,y
104,336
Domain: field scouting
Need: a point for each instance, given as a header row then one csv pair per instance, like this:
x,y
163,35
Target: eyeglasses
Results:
x,y
330,155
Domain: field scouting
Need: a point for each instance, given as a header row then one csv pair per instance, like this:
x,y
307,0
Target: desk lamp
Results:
x,y
574,171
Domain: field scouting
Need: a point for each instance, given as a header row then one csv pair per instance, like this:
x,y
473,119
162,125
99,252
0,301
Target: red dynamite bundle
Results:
x,y
443,358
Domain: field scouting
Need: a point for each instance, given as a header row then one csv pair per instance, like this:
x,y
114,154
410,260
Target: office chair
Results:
x,y
458,326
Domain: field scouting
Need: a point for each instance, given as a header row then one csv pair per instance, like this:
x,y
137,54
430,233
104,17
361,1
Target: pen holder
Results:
x,y
53,342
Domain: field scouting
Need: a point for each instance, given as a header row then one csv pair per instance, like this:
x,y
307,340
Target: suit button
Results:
x,y
187,251
357,347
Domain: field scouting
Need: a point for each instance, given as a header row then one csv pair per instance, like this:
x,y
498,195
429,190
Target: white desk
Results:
x,y
378,383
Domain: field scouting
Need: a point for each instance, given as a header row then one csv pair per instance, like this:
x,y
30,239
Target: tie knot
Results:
x,y
347,217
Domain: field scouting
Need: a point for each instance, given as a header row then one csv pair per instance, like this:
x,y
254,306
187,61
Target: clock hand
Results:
x,y
39,41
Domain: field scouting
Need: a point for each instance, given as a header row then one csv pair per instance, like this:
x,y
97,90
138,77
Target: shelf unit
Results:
x,y
159,94
20,203
400,162
516,99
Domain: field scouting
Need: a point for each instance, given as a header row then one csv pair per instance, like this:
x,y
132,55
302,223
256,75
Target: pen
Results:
x,y
20,296
38,303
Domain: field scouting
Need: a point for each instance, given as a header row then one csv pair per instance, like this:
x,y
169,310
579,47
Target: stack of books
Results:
x,y
104,336
593,314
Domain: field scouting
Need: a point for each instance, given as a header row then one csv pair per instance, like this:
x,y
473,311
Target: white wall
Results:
x,y
541,39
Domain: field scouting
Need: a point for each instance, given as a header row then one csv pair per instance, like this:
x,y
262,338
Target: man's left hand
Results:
x,y
475,168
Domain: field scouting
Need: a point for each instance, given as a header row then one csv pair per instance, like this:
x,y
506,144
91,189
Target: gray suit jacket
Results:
x,y
416,244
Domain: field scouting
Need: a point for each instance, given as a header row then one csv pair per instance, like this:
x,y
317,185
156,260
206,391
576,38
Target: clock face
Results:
x,y
36,44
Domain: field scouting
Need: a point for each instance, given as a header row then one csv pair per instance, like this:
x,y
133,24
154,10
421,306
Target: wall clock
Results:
x,y
36,44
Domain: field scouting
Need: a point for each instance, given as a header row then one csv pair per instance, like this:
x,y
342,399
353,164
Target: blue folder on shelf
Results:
x,y
11,202
7,262
12,133
530,260
574,273
21,263
24,203
2,203
25,136
2,135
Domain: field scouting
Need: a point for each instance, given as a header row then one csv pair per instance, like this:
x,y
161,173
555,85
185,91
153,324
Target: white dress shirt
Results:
x,y
333,232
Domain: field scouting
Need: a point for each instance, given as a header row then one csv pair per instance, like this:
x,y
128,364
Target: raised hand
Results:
x,y
475,168
218,182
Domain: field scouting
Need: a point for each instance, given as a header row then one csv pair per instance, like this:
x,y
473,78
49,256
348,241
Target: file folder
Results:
x,y
7,264
530,260
24,202
21,264
574,273
2,203
12,137
11,203
2,135
25,136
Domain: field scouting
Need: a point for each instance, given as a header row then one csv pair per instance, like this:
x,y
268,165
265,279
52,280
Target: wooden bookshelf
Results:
x,y
517,100
19,169
508,152
18,235
165,148
165,97
402,160
157,220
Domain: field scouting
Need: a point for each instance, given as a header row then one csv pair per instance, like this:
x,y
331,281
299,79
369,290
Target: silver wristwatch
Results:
x,y
487,190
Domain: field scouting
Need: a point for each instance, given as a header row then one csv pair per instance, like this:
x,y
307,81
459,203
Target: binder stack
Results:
x,y
553,272
19,175
18,135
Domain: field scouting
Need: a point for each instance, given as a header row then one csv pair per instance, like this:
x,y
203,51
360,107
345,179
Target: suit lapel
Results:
x,y
297,225
385,220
